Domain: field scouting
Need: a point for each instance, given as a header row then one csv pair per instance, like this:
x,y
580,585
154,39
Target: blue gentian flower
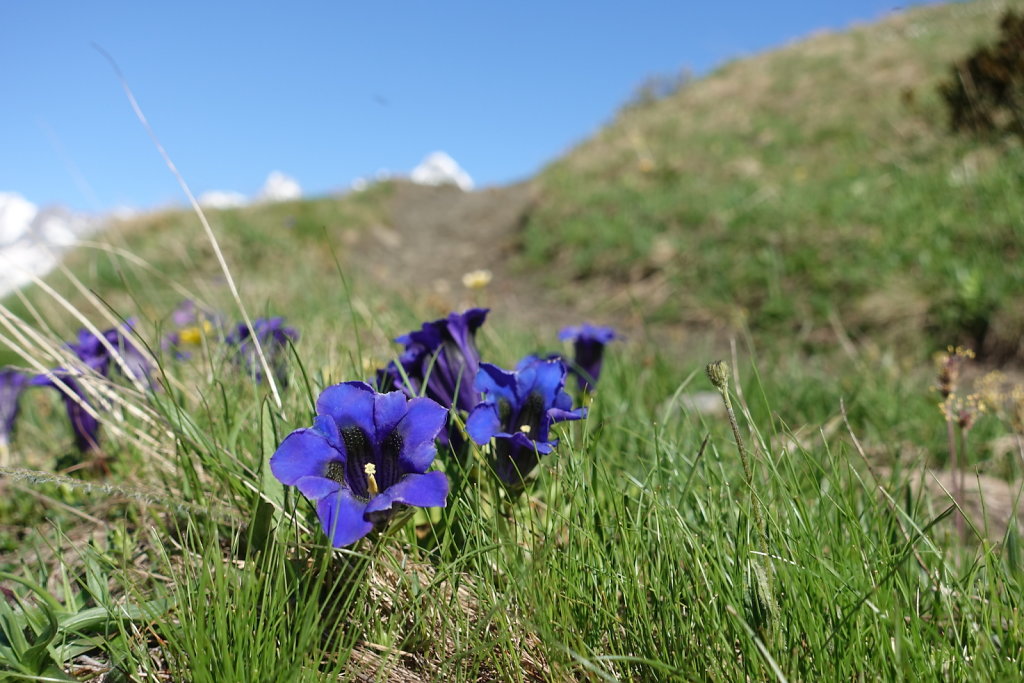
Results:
x,y
440,361
11,384
443,355
84,427
96,355
518,411
273,337
365,458
588,344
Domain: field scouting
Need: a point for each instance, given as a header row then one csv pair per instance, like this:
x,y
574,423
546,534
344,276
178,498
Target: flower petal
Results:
x,y
496,383
421,490
472,318
567,333
303,453
532,359
560,415
548,377
563,401
419,429
325,425
523,441
349,403
343,518
388,410
483,423
315,488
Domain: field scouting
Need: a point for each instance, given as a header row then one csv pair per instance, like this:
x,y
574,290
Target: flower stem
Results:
x,y
960,478
954,476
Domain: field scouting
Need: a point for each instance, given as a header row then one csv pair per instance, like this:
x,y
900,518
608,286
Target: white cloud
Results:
x,y
16,216
440,169
32,240
20,262
279,188
56,226
123,213
223,199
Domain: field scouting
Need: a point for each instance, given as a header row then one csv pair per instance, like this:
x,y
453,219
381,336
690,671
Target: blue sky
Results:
x,y
330,91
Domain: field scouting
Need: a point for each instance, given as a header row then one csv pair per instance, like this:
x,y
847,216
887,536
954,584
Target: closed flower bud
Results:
x,y
718,373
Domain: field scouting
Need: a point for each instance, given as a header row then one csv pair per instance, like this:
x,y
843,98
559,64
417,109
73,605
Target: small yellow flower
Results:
x,y
194,334
477,279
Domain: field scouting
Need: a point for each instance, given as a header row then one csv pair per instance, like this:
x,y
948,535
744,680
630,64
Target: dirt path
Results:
x,y
435,235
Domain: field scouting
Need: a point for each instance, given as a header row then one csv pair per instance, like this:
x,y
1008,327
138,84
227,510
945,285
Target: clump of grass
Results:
x,y
629,560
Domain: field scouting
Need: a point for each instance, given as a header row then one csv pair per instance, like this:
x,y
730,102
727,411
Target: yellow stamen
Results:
x,y
371,481
525,429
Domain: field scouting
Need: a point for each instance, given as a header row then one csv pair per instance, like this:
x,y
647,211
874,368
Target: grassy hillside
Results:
x,y
813,182
803,195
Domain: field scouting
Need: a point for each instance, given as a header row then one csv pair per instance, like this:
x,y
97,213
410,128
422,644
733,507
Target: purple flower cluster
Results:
x,y
367,457
195,325
96,355
367,454
109,348
112,351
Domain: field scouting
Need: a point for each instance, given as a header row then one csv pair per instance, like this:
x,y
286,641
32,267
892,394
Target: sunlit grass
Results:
x,y
632,558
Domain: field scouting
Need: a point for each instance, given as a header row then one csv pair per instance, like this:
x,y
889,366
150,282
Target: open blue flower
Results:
x,y
273,338
518,411
11,384
588,344
365,457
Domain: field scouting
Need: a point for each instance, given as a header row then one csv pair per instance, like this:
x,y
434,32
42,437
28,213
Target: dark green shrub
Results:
x,y
985,91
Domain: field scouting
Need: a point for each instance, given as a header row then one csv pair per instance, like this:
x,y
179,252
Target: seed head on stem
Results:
x,y
718,373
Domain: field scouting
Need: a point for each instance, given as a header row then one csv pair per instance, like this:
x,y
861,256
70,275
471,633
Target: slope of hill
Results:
x,y
807,194
804,189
